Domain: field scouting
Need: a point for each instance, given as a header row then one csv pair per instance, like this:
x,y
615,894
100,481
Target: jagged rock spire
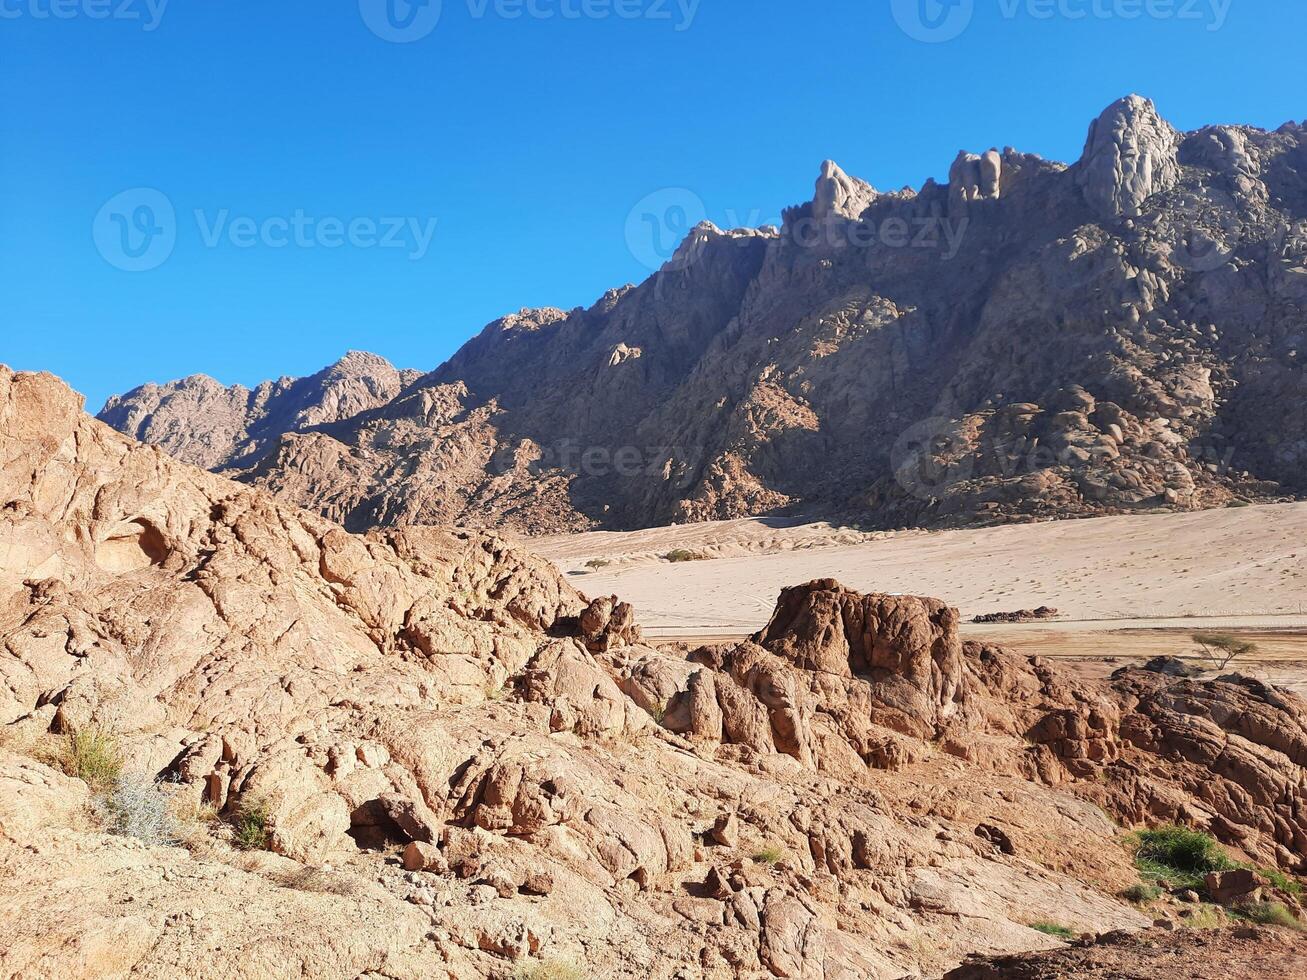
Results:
x,y
1130,155
839,194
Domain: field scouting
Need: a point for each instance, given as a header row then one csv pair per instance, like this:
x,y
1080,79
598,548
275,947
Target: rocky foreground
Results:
x,y
421,753
1031,339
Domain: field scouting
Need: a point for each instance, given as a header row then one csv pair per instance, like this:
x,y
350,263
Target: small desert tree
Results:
x,y
1222,648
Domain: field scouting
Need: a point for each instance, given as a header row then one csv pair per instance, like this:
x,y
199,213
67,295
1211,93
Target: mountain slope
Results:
x,y
1029,340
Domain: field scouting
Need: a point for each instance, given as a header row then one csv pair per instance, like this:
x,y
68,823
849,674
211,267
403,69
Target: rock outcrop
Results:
x,y
1130,155
1032,340
442,761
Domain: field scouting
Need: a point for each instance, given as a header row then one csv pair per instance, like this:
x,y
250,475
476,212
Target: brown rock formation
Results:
x,y
459,767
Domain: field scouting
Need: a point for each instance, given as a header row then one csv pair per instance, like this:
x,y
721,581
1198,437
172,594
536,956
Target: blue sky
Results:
x,y
527,132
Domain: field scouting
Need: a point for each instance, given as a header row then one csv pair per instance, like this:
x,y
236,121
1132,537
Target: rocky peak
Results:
x,y
203,422
1130,155
974,178
838,194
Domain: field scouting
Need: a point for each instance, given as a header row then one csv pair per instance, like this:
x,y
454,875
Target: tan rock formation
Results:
x,y
459,767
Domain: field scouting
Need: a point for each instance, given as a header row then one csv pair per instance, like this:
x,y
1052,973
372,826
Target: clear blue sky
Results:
x,y
528,139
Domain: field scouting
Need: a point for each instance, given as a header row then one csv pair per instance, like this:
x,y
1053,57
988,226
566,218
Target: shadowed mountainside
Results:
x,y
1029,340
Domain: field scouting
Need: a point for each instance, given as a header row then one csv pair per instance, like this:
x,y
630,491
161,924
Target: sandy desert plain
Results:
x,y
1125,588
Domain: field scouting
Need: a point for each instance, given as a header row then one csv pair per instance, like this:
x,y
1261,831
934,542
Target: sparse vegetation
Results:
x,y
768,855
253,825
1281,881
194,822
552,969
135,806
684,554
1183,858
1204,916
598,563
94,757
658,712
1141,893
318,881
1052,929
1267,914
1178,855
1222,648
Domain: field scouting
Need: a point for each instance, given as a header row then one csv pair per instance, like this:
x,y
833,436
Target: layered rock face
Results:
x,y
457,766
1031,340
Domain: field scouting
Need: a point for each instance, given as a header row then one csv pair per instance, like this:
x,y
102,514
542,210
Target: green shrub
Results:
x,y
1179,855
1280,880
252,824
94,757
769,855
1142,893
1222,648
1267,914
598,563
1052,929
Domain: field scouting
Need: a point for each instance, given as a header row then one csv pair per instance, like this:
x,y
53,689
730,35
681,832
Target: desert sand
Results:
x,y
1243,566
1125,587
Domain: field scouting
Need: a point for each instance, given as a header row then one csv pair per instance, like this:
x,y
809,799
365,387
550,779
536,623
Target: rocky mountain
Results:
x,y
1029,340
203,422
236,740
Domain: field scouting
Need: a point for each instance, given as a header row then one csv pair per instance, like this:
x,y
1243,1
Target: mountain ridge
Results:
x,y
1030,340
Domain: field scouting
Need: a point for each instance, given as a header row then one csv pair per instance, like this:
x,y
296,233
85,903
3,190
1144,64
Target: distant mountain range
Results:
x,y
1029,340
